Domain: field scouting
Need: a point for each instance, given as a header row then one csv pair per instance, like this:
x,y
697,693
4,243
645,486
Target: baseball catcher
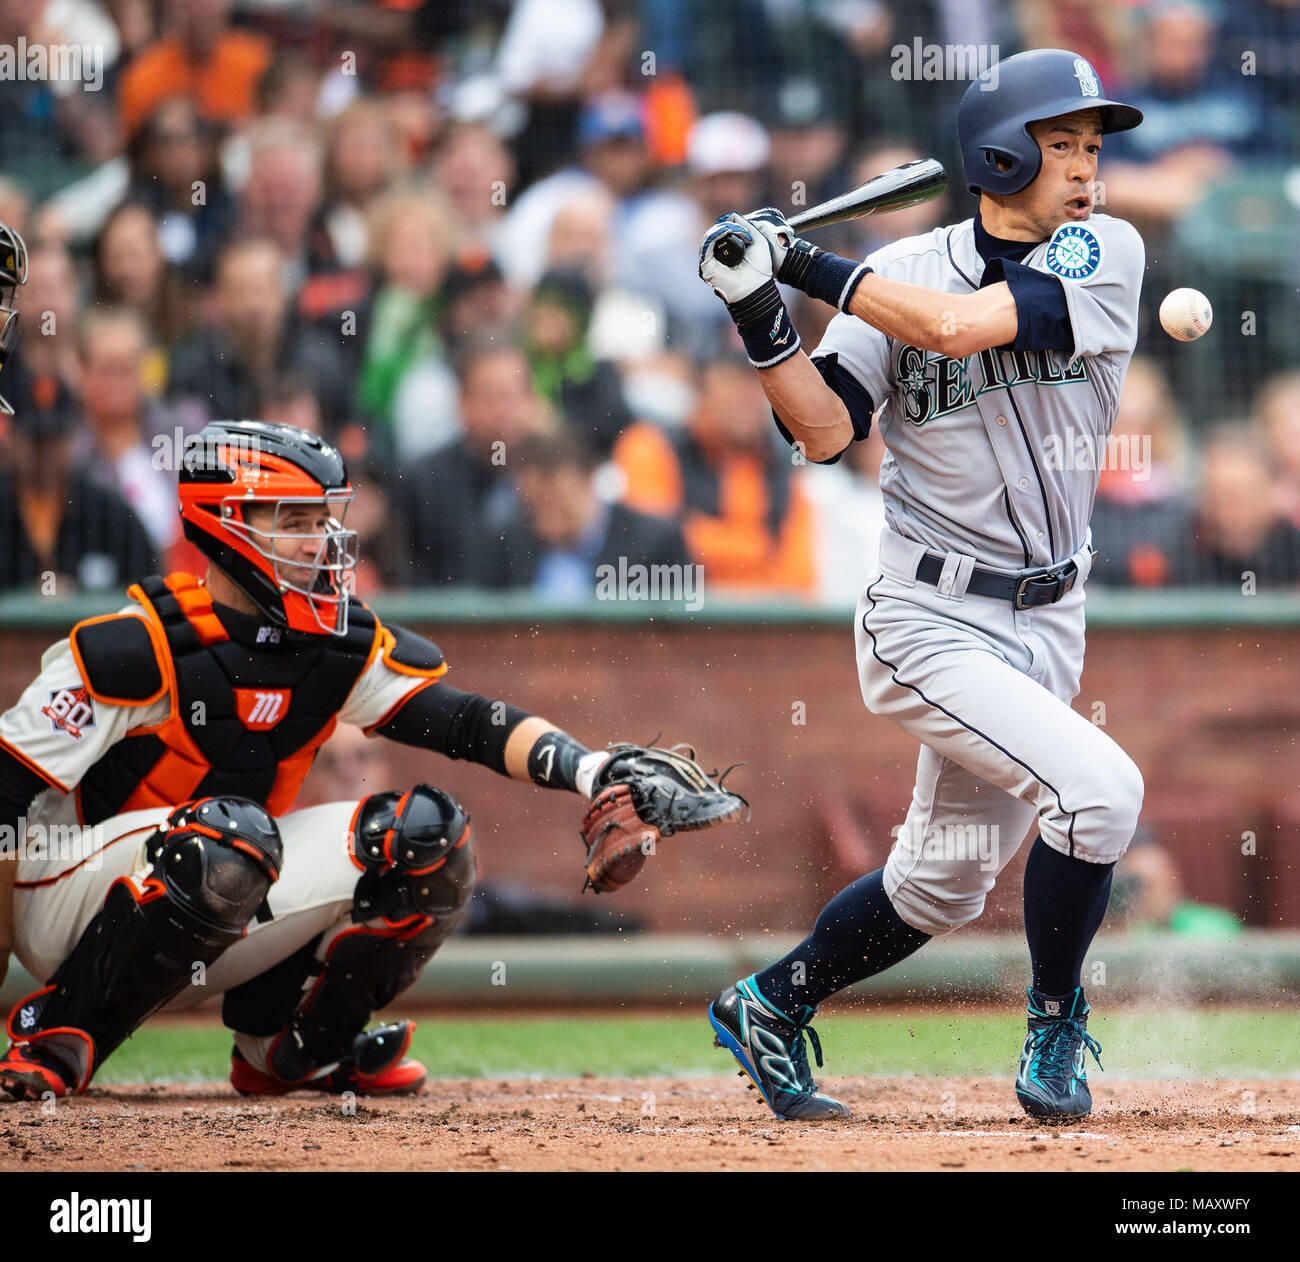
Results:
x,y
170,740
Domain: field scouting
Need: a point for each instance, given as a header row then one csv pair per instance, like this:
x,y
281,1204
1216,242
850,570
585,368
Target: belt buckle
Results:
x,y
1058,580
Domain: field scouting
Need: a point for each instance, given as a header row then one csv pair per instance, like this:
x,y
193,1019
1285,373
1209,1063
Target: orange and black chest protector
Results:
x,y
251,703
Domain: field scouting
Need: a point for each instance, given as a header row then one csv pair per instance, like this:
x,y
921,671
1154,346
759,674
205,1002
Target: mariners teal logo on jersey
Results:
x,y
1073,252
931,386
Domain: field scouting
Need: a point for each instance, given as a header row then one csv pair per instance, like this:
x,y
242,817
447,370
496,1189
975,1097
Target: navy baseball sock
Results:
x,y
1065,900
857,935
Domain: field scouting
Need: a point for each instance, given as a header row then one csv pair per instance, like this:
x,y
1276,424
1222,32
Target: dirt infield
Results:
x,y
658,1124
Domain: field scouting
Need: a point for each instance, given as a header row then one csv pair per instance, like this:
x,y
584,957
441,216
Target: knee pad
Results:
x,y
417,863
416,856
216,858
213,863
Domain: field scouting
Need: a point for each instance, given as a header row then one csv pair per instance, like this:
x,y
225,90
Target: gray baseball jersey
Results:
x,y
993,460
996,455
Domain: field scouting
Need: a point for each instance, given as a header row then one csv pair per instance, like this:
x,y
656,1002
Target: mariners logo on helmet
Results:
x,y
1074,252
1089,84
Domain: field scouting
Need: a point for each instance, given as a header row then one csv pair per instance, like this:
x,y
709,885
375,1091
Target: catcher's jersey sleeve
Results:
x,y
404,663
59,730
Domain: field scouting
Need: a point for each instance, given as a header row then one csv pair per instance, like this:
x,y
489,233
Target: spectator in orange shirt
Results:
x,y
201,59
745,517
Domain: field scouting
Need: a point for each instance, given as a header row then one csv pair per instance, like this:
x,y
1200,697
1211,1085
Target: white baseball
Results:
x,y
1186,314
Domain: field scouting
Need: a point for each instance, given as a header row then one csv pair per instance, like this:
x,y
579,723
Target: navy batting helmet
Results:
x,y
994,116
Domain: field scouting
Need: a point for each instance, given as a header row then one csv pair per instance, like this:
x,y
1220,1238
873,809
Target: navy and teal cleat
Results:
x,y
770,1048
1052,1082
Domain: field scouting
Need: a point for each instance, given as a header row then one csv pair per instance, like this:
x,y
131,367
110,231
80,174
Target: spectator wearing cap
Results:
x,y
809,143
1140,516
746,519
563,534
612,163
59,530
199,58
474,296
1240,534
229,367
455,502
587,391
658,254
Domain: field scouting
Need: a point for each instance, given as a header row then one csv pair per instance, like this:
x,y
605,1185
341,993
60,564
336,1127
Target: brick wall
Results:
x,y
1211,718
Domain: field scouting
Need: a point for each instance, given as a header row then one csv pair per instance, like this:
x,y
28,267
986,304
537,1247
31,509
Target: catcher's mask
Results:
x,y
13,272
297,563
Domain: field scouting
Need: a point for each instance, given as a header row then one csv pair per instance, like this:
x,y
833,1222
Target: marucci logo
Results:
x,y
260,709
131,1216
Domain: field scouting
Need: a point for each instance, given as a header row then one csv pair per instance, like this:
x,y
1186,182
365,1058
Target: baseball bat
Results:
x,y
909,185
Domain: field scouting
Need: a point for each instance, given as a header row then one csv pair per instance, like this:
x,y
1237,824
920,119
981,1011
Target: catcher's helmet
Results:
x,y
231,465
13,272
998,106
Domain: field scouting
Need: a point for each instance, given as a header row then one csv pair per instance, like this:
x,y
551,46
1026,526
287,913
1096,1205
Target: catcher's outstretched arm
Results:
x,y
495,734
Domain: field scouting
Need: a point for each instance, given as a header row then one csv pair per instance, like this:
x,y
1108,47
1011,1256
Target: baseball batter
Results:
x,y
992,352
148,771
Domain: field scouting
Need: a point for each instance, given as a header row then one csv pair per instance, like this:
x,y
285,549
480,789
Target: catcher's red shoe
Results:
x,y
377,1066
25,1074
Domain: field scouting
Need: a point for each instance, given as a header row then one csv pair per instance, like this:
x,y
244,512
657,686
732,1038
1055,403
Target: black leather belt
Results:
x,y
1026,590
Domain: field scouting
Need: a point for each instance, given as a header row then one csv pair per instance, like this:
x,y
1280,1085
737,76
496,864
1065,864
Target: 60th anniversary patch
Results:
x,y
1074,252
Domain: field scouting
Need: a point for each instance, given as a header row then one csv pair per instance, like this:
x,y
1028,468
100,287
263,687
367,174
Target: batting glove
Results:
x,y
734,284
802,265
750,293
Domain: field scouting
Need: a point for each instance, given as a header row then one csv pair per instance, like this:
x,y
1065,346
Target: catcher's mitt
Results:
x,y
640,795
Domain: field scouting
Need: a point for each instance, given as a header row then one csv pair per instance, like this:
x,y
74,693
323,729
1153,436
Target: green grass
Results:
x,y
1156,1044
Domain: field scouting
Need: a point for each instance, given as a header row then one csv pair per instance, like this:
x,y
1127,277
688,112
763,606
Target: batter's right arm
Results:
x,y
808,410
812,413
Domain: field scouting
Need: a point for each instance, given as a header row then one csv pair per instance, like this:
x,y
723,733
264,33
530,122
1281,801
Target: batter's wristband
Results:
x,y
833,279
764,325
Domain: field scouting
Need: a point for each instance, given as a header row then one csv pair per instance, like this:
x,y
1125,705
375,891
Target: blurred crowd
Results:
x,y
459,238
